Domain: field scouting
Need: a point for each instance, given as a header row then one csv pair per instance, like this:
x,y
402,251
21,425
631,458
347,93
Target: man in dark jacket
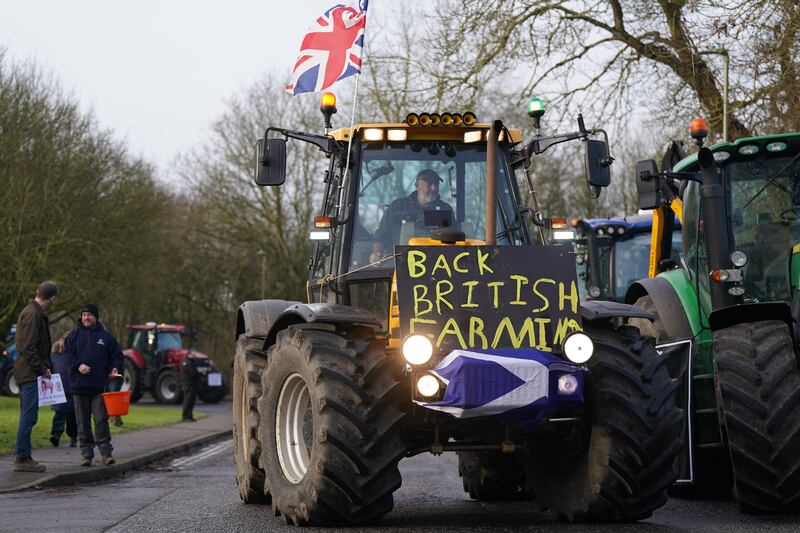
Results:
x,y
94,358
33,360
409,210
190,378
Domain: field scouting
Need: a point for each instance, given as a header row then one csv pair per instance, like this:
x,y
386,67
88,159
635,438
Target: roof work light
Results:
x,y
327,106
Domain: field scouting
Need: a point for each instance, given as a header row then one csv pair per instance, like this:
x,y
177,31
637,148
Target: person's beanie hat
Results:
x,y
91,308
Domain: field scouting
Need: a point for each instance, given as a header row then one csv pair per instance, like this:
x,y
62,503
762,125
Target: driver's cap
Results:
x,y
429,175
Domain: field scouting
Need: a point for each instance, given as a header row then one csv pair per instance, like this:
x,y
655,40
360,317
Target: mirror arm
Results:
x,y
538,145
323,142
688,176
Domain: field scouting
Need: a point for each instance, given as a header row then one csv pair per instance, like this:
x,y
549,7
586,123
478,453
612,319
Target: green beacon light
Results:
x,y
536,111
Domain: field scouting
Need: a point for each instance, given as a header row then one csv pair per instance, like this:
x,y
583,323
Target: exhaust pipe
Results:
x,y
491,182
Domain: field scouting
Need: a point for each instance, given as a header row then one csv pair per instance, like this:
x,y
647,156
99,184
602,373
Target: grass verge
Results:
x,y
139,417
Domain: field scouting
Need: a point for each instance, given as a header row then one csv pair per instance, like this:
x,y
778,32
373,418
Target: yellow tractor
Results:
x,y
438,319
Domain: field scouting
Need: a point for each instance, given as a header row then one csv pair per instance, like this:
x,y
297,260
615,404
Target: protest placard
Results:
x,y
51,391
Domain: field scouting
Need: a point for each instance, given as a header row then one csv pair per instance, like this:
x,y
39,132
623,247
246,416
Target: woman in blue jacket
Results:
x,y
64,413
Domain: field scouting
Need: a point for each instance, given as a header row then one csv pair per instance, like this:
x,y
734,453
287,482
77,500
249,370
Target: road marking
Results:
x,y
203,454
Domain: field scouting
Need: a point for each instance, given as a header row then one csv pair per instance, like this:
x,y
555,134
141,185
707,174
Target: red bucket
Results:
x,y
117,403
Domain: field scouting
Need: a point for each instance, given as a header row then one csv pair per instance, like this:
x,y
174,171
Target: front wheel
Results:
x,y
759,389
329,426
211,394
619,464
168,388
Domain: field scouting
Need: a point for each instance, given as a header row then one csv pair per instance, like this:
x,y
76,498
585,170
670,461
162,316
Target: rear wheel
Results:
x,y
330,427
10,386
759,389
131,380
491,475
168,388
248,365
619,466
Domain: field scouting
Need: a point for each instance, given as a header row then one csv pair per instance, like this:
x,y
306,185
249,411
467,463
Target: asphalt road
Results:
x,y
197,493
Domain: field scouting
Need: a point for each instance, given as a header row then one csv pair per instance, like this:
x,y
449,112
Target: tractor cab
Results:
x,y
611,254
408,182
153,340
761,181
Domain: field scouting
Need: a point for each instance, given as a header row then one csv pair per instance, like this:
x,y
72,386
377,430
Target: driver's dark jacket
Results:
x,y
96,348
406,208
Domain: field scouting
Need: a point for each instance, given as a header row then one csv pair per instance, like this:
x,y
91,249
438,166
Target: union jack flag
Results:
x,y
332,48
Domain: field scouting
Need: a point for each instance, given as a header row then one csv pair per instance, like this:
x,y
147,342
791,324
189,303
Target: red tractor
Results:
x,y
153,363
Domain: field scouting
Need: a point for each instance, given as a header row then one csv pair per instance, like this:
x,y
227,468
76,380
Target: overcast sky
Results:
x,y
157,71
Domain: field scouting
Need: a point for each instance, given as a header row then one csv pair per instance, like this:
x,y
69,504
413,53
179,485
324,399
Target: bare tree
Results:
x,y
613,56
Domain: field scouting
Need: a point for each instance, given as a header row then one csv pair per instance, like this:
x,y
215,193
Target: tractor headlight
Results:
x,y
578,347
567,384
417,349
739,259
428,385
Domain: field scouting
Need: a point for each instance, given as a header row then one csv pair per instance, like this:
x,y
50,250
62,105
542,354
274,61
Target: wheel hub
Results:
x,y
294,428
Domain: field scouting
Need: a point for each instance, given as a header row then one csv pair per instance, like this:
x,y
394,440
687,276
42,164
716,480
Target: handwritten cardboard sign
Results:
x,y
488,296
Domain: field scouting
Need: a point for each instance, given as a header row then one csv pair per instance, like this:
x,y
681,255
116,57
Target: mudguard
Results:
x,y
745,313
320,312
668,305
604,310
255,317
135,356
265,318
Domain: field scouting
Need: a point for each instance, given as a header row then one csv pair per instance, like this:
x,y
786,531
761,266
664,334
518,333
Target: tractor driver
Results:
x,y
407,210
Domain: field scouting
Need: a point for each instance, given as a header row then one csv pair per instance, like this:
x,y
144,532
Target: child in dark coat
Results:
x,y
64,413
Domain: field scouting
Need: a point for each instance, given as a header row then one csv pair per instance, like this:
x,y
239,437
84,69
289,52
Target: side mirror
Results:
x,y
270,162
597,165
648,184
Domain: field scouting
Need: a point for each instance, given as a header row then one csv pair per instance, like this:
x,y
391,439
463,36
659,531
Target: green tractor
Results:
x,y
734,297
442,321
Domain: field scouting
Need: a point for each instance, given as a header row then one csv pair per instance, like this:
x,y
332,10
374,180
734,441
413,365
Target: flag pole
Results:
x,y
355,92
353,115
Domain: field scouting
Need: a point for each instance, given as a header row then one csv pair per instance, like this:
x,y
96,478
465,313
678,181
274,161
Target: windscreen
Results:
x,y
765,210
411,189
169,339
632,259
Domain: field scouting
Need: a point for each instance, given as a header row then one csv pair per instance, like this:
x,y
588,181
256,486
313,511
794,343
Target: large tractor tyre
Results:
x,y
168,388
10,386
619,465
131,380
330,427
248,365
759,388
491,475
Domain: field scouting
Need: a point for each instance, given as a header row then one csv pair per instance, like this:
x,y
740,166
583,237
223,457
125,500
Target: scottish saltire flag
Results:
x,y
518,384
332,48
